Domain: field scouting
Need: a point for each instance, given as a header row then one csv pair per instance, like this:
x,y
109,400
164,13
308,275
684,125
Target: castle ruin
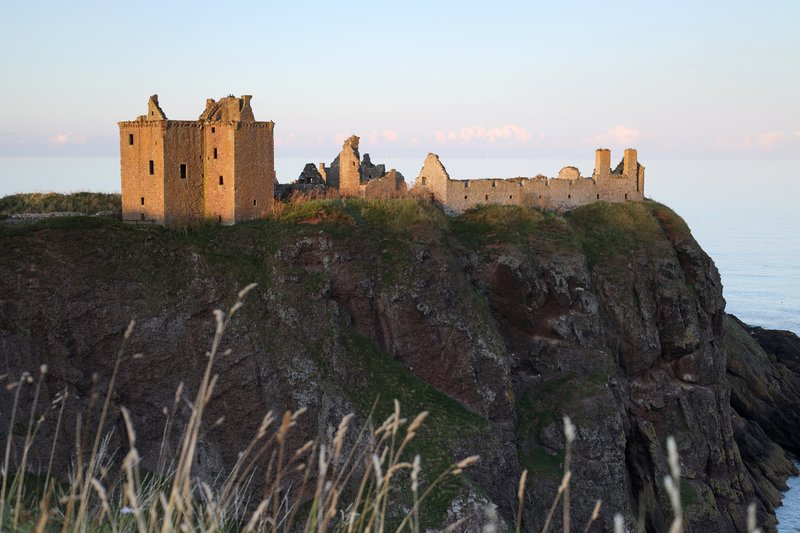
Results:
x,y
567,191
220,167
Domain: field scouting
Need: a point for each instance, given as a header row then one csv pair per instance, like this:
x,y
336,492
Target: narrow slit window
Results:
x,y
142,200
221,181
152,168
183,171
215,153
487,196
494,184
598,196
510,196
255,202
626,196
465,197
569,196
219,218
213,129
130,138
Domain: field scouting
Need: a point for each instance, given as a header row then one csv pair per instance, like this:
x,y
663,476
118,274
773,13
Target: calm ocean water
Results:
x,y
743,213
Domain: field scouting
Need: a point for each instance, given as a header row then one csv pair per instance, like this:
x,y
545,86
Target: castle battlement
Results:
x,y
567,191
220,167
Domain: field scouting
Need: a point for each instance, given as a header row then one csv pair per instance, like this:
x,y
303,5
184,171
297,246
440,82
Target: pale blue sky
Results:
x,y
502,79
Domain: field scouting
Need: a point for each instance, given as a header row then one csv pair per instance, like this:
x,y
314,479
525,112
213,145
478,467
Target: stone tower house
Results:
x,y
220,167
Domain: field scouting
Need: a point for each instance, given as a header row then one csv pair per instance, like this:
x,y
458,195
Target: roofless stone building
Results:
x,y
220,167
567,191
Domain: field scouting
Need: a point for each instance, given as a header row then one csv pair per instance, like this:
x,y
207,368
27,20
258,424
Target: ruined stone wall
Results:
x,y
254,170
464,194
568,191
183,172
218,182
140,142
389,185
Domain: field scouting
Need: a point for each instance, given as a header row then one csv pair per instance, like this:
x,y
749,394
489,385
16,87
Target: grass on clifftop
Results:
x,y
496,224
608,231
88,203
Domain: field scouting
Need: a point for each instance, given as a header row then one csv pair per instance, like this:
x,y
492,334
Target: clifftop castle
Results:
x,y
221,167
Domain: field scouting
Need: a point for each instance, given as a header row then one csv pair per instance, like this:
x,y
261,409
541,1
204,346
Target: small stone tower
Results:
x,y
350,168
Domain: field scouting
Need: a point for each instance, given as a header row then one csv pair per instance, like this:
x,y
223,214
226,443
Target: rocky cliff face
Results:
x,y
498,322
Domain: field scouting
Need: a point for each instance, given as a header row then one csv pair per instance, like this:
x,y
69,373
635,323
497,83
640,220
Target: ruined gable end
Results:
x,y
433,177
154,111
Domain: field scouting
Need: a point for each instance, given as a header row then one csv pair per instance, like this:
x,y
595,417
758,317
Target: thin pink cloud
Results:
x,y
619,135
761,141
470,134
68,138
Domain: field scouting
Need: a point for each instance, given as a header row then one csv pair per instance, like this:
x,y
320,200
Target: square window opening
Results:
x,y
487,197
213,129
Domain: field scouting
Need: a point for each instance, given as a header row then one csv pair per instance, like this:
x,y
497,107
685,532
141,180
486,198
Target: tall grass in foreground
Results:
x,y
360,480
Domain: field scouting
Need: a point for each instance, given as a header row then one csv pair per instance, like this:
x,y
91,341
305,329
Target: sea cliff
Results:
x,y
499,322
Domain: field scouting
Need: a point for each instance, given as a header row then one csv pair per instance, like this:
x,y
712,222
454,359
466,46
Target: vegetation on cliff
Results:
x,y
497,322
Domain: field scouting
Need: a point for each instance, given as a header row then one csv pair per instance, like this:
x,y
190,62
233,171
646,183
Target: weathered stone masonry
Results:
x,y
220,167
568,191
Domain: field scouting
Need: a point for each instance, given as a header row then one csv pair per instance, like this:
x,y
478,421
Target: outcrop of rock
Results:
x,y
499,322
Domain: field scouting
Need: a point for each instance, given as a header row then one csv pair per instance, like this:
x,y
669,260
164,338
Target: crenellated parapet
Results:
x,y
567,191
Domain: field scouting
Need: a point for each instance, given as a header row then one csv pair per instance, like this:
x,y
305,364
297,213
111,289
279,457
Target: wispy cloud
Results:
x,y
285,140
470,134
386,135
763,141
68,138
617,136
769,139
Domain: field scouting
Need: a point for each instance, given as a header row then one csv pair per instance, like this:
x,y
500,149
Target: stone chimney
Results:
x,y
630,165
602,163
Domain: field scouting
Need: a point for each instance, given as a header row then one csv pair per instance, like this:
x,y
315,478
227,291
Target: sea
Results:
x,y
744,213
